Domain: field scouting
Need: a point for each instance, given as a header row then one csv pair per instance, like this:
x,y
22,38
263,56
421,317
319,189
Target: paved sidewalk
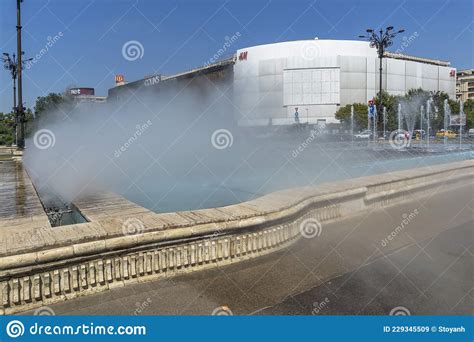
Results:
x,y
426,267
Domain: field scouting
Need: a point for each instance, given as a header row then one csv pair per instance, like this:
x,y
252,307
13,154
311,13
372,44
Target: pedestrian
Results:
x,y
297,115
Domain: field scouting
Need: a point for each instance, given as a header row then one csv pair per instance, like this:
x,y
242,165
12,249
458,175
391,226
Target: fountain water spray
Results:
x,y
422,112
384,121
409,115
428,112
399,116
352,124
375,123
368,124
447,118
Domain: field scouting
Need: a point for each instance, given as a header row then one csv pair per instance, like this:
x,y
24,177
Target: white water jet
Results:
x,y
447,118
422,112
399,116
428,113
352,123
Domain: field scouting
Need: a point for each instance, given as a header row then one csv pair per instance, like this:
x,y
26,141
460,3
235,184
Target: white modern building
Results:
x,y
317,76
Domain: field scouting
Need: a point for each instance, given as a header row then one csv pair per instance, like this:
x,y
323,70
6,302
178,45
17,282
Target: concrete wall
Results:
x,y
39,266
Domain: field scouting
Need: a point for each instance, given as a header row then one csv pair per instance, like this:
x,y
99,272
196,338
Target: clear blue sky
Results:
x,y
179,35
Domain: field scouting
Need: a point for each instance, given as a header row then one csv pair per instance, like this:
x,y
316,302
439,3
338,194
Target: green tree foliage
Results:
x,y
343,114
51,103
411,102
51,106
469,112
390,102
7,123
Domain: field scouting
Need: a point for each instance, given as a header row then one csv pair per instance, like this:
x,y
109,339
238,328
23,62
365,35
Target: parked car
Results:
x,y
448,133
400,135
470,133
365,134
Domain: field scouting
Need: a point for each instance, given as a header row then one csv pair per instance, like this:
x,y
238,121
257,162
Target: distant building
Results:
x,y
465,84
268,82
81,95
197,79
318,76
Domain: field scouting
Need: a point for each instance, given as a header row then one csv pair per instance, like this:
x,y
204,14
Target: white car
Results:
x,y
366,134
470,133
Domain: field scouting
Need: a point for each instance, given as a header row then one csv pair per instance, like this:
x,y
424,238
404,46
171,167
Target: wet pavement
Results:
x,y
19,202
433,277
350,268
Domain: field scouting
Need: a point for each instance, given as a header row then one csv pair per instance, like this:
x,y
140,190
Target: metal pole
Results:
x,y
380,70
461,113
20,111
15,111
14,93
384,121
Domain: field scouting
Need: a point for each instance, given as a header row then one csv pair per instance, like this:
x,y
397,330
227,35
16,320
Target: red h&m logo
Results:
x,y
243,56
452,73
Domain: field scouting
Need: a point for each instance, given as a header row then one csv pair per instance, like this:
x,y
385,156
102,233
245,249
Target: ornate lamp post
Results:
x,y
20,109
11,64
380,41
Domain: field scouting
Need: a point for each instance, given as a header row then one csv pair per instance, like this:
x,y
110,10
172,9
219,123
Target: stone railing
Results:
x,y
124,243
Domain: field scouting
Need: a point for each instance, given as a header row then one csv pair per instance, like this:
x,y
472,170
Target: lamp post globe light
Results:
x,y
380,40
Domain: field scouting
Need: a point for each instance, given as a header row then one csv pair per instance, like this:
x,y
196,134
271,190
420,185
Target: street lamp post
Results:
x,y
20,109
381,41
11,64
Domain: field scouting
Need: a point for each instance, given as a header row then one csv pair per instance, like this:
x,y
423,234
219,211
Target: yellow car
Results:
x,y
442,133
